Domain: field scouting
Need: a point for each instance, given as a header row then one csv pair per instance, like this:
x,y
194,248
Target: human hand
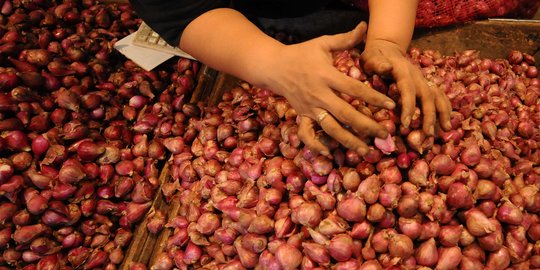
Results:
x,y
387,59
304,74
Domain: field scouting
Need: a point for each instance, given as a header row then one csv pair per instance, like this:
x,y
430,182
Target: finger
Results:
x,y
445,109
343,136
346,40
408,95
347,115
375,62
345,84
306,133
428,104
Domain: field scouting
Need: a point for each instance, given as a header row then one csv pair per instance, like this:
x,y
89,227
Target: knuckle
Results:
x,y
338,113
426,95
349,143
373,130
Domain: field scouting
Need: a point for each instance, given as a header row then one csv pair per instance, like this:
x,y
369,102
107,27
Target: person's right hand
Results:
x,y
304,74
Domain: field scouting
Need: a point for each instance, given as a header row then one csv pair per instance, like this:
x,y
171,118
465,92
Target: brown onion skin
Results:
x,y
400,246
407,206
449,235
352,209
509,213
498,260
534,232
307,214
379,241
317,253
371,265
492,241
449,258
289,257
426,254
474,251
369,188
341,247
478,224
470,263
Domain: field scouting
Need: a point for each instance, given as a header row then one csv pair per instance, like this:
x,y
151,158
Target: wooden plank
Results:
x,y
224,82
145,246
147,250
138,251
205,82
493,38
161,242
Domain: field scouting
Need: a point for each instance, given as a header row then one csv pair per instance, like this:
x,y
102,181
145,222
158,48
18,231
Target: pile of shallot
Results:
x,y
84,133
252,196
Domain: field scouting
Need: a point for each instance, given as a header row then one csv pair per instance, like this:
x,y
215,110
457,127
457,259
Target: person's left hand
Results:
x,y
385,58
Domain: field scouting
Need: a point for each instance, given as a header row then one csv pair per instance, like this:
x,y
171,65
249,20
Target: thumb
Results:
x,y
346,40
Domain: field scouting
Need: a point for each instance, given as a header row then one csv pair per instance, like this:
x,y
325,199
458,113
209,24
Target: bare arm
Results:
x,y
226,40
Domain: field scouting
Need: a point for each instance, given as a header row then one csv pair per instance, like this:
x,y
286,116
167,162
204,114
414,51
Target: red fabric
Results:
x,y
447,12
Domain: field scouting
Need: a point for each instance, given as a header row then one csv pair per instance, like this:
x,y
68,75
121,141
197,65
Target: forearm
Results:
x,y
226,40
392,20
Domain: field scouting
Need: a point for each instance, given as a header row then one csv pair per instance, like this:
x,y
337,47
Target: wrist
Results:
x,y
261,65
378,42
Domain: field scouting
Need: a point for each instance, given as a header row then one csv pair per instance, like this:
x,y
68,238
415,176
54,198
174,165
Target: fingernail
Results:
x,y
448,125
431,131
325,153
406,121
361,151
389,104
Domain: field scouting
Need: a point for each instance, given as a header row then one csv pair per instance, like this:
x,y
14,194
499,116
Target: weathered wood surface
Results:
x,y
145,247
143,243
493,38
205,84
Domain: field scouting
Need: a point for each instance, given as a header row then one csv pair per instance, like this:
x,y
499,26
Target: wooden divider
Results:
x,y
145,246
205,84
142,244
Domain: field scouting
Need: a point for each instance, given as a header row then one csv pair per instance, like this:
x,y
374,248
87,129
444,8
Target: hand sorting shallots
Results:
x,y
252,196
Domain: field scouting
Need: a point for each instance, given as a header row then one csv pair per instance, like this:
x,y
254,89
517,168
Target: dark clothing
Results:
x,y
169,17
